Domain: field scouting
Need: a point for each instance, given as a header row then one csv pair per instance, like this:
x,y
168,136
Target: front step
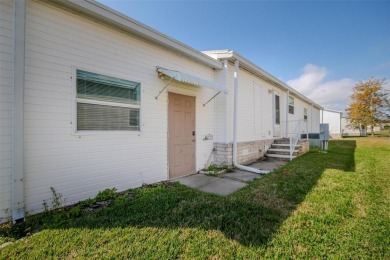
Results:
x,y
282,141
286,145
280,156
280,149
272,150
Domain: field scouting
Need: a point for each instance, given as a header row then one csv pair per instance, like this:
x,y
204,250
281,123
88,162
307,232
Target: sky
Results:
x,y
321,48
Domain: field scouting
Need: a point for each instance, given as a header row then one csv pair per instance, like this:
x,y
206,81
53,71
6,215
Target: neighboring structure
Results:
x,y
333,118
91,99
348,130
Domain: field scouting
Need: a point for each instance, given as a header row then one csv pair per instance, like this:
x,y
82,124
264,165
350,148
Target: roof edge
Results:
x,y
114,18
331,110
250,66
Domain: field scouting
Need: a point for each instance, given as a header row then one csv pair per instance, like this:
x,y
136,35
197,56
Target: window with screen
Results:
x,y
305,113
277,110
107,103
291,105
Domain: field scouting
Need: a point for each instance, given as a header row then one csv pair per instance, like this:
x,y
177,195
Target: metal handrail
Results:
x,y
295,135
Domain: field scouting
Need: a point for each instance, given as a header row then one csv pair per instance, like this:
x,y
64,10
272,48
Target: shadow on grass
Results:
x,y
250,216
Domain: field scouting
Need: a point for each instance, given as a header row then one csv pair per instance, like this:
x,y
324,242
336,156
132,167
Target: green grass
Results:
x,y
383,133
321,205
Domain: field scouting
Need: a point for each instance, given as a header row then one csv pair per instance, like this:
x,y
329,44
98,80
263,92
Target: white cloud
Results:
x,y
332,94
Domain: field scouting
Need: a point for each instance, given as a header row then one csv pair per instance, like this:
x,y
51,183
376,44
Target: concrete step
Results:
x,y
272,150
279,156
282,141
284,146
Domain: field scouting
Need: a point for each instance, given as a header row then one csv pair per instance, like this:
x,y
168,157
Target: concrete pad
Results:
x,y
210,184
241,175
222,186
269,165
197,180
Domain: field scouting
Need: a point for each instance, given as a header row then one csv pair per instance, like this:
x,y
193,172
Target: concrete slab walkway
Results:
x,y
229,182
212,184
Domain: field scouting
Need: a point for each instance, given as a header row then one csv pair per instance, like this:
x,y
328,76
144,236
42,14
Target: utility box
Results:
x,y
324,132
324,136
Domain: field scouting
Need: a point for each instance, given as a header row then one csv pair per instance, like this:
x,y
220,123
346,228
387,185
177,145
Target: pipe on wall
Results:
x,y
17,192
235,163
287,112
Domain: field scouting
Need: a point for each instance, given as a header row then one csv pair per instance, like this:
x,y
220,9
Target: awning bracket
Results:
x,y
211,98
169,82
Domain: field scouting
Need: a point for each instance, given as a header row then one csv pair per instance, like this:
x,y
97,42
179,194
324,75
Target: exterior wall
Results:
x,y
255,128
221,109
305,147
78,165
6,105
247,152
332,118
316,120
223,154
255,120
255,107
297,124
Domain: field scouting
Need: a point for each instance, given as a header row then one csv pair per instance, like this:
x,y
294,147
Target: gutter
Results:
x,y
251,67
235,163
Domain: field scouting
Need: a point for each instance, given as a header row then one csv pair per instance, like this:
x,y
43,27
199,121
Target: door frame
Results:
x,y
168,137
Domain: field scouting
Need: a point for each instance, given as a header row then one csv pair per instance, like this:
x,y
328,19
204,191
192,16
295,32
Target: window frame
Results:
x,y
293,105
76,100
305,114
277,110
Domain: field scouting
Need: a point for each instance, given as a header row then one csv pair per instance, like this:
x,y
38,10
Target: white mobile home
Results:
x,y
91,99
333,118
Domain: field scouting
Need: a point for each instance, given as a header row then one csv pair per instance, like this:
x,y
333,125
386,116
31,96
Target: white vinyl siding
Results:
x,y
255,120
77,165
255,108
6,105
333,119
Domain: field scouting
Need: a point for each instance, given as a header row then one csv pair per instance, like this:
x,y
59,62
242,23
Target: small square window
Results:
x,y
107,103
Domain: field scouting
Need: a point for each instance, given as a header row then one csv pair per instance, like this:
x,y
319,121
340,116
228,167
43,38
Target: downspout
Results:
x,y
311,118
235,164
341,134
17,186
288,97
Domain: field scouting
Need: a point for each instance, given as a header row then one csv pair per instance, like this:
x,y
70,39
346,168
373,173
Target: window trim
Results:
x,y
277,111
305,115
76,100
293,106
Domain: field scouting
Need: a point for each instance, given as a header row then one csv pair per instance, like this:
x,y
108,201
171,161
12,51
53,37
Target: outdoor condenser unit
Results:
x,y
324,136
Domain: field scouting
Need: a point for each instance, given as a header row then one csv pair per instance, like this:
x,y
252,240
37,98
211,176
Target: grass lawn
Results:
x,y
383,133
321,205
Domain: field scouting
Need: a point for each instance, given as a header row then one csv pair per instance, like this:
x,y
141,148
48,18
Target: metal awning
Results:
x,y
190,79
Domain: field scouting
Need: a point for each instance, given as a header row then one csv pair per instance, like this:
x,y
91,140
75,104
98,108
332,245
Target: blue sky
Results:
x,y
321,48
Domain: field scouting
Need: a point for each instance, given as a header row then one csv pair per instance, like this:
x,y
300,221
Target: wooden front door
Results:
x,y
181,135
